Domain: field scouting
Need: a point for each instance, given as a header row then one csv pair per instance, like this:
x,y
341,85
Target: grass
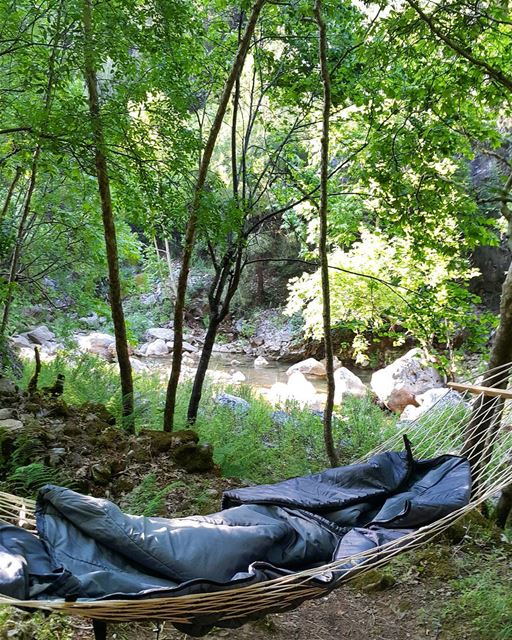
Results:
x,y
251,446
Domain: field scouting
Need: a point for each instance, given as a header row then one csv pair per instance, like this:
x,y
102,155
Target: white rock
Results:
x,y
301,390
94,341
220,348
189,347
40,335
347,383
441,397
157,348
335,361
160,333
11,425
410,372
238,377
91,321
6,413
20,341
138,366
260,362
309,367
278,393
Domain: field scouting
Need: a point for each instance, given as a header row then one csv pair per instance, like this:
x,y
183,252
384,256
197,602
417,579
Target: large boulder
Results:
x,y
347,383
189,347
309,367
411,372
236,404
442,398
95,342
157,348
20,342
40,335
301,390
158,333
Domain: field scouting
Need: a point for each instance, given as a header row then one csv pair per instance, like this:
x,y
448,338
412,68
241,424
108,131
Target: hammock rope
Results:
x,y
441,429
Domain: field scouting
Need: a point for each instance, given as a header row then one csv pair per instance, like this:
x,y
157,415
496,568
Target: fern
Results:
x,y
26,481
147,499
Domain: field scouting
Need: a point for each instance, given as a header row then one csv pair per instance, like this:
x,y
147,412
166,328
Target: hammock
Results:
x,y
444,428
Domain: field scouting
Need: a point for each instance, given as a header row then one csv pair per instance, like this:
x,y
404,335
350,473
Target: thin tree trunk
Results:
x,y
202,367
322,211
230,271
13,270
190,232
10,193
116,305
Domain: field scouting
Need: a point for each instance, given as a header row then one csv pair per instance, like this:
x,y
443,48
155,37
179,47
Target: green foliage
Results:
x,y
401,296
483,602
34,626
27,480
148,499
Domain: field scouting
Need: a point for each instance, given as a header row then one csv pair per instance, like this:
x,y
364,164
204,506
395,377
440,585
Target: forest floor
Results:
x,y
458,588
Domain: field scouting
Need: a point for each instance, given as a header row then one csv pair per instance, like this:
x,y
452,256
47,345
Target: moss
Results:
x,y
374,580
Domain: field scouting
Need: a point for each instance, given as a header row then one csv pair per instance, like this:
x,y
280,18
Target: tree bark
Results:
x,y
109,229
504,507
190,231
10,193
228,275
322,248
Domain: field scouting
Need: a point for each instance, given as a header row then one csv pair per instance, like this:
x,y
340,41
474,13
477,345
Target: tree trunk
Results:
x,y
13,270
109,229
484,412
10,193
190,231
504,506
322,248
202,367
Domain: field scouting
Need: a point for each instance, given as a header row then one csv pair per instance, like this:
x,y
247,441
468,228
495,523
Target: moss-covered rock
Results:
x,y
374,580
193,457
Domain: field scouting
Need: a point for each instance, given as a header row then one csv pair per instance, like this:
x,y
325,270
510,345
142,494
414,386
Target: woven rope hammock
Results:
x,y
444,428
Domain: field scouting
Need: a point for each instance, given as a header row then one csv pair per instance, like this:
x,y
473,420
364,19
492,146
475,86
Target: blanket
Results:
x,y
87,548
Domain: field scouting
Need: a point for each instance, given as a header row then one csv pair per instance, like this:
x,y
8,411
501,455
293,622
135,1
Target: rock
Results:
x,y
160,333
280,418
20,342
221,348
335,361
301,390
236,404
95,412
189,347
278,393
40,335
159,441
399,399
309,367
138,366
92,321
409,372
96,343
257,341
101,473
194,458
7,387
157,348
442,398
5,414
260,362
184,435
11,425
347,383
238,377
56,456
